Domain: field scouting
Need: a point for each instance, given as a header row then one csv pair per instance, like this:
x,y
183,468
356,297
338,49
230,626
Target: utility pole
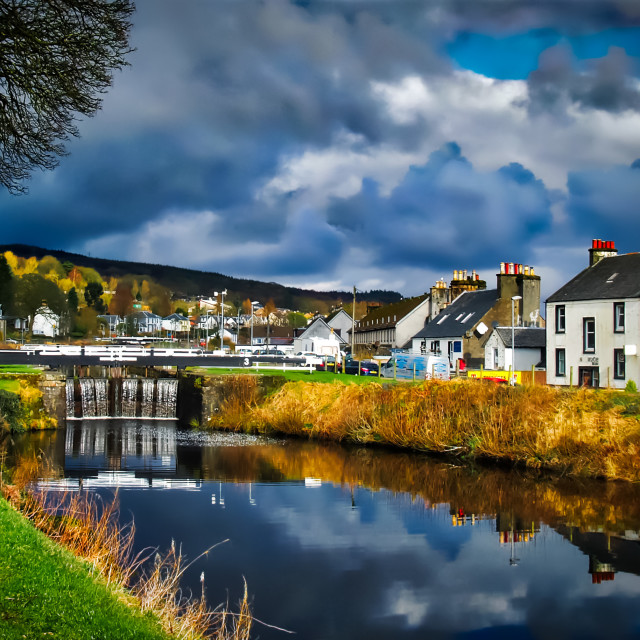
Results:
x,y
353,324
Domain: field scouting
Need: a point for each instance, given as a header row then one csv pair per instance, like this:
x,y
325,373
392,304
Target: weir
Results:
x,y
121,398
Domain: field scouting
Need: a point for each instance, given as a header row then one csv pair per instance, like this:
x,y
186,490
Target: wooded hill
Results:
x,y
190,282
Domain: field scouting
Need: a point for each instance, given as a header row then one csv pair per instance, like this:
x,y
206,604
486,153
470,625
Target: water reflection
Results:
x,y
342,542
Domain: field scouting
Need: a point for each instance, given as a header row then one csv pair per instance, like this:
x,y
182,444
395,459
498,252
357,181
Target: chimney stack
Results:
x,y
601,249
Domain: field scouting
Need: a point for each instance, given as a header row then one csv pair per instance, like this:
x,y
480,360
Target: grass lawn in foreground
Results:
x,y
46,592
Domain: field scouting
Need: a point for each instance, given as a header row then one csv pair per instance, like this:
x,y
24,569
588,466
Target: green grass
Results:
x,y
46,592
294,376
18,368
10,385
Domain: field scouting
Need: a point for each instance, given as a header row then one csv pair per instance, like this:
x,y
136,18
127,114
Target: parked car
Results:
x,y
329,364
361,367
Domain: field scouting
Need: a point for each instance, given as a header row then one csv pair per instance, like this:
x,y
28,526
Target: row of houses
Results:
x,y
591,335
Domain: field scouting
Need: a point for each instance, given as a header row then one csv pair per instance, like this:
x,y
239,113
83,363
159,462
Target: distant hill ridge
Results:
x,y
191,282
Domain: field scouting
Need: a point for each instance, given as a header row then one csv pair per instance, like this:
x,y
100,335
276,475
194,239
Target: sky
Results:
x,y
371,143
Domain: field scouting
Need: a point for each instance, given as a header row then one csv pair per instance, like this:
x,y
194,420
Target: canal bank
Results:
x,y
46,591
578,432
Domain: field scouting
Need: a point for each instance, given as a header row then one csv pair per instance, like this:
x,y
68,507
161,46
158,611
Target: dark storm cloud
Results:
x,y
445,212
606,203
217,93
606,84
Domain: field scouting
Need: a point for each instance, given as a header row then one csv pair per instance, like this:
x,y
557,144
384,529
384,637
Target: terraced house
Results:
x,y
593,331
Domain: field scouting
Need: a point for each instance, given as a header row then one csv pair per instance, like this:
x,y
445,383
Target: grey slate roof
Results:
x,y
450,322
525,337
599,283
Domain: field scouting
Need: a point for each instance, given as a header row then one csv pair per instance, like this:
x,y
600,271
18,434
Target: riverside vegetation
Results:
x,y
105,591
578,432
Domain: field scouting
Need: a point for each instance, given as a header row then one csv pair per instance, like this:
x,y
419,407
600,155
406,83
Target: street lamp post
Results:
x,y
513,334
222,295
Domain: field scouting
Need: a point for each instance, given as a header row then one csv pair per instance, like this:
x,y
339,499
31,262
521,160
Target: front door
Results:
x,y
589,377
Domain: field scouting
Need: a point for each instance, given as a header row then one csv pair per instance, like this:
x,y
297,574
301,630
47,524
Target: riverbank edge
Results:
x,y
576,432
46,590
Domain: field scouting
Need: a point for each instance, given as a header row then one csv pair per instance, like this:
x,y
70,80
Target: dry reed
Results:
x,y
579,432
90,529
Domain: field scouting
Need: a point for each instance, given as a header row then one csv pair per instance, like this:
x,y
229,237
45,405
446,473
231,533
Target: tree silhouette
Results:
x,y
56,59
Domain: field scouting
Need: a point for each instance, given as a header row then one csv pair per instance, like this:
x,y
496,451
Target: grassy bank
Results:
x,y
46,592
593,433
291,375
67,569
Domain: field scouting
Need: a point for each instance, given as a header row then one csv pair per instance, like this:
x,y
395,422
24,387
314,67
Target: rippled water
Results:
x,y
341,542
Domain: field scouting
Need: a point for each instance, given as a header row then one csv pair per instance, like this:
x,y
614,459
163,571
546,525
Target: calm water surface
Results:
x,y
339,542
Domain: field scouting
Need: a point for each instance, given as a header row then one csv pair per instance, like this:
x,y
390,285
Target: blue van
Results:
x,y
409,366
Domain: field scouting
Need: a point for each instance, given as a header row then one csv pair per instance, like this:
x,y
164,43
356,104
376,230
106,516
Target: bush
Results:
x,y
631,387
11,411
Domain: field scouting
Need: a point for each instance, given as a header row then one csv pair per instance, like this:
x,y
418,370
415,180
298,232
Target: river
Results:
x,y
342,542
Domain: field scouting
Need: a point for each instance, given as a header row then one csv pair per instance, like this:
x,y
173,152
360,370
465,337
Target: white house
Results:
x,y
46,322
318,336
147,322
341,323
176,323
593,334
529,350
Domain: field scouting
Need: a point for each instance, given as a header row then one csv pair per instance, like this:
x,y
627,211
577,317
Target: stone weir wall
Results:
x,y
199,396
54,395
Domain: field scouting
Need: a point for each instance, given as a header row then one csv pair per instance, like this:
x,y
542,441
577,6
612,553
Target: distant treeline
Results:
x,y
191,282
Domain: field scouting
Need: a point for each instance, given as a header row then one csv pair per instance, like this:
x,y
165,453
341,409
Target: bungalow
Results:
x,y
530,348
593,334
461,329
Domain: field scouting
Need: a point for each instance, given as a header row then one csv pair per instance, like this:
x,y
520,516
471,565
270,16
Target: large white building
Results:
x,y
593,332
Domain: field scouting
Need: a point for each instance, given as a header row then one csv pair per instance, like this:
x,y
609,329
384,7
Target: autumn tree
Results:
x,y
57,57
122,301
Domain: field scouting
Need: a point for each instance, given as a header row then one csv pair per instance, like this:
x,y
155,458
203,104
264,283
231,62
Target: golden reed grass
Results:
x,y
90,529
578,432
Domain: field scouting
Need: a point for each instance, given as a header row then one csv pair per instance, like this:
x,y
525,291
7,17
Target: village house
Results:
x,y
146,322
176,323
319,332
112,321
592,330
462,328
341,323
530,349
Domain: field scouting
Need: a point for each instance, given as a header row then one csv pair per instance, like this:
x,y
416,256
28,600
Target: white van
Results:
x,y
406,366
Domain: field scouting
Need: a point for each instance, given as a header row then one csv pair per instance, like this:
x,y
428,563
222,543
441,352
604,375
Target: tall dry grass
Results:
x,y
579,432
90,528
